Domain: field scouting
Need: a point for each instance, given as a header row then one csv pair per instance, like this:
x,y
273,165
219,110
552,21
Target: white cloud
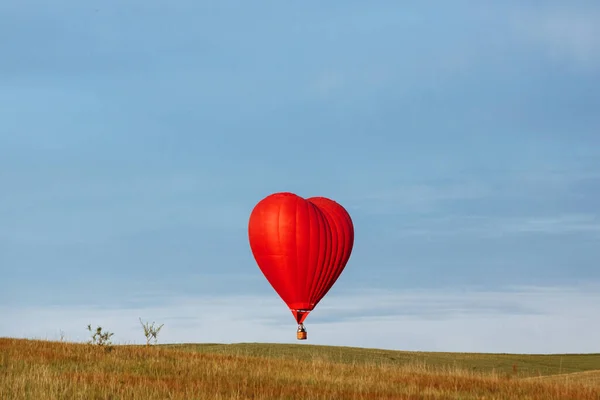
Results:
x,y
519,320
80,210
563,224
343,83
327,83
420,197
565,34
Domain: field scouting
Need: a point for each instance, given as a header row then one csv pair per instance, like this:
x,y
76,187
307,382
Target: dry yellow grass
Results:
x,y
525,364
52,370
586,378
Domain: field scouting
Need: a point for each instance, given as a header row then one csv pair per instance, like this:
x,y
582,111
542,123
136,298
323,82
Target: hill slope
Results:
x,y
525,365
53,370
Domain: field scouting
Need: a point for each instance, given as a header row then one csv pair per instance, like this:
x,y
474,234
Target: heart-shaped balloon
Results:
x,y
301,246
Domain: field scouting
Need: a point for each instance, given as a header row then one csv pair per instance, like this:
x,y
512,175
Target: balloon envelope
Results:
x,y
301,246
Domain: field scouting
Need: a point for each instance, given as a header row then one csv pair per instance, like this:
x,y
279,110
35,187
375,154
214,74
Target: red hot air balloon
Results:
x,y
301,246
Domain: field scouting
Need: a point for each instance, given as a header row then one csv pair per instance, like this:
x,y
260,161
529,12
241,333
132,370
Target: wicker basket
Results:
x,y
301,333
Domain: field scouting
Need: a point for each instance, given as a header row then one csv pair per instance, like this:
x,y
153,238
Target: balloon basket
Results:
x,y
301,333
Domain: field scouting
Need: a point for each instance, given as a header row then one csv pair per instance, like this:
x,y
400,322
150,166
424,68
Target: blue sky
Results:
x,y
463,138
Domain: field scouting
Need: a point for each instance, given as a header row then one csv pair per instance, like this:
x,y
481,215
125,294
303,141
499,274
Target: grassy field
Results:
x,y
588,378
525,365
31,369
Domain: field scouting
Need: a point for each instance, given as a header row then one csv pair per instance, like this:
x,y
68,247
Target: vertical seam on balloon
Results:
x,y
325,263
350,243
345,254
297,283
332,259
279,239
337,266
315,283
320,266
310,262
316,229
316,265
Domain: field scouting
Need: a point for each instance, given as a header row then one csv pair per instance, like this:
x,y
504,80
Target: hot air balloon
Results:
x,y
301,246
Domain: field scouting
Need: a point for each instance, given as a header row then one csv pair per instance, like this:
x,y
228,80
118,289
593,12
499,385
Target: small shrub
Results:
x,y
99,337
151,332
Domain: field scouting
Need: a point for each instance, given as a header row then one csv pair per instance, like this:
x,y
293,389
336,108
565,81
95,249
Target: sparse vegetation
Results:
x,y
151,331
100,337
50,370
